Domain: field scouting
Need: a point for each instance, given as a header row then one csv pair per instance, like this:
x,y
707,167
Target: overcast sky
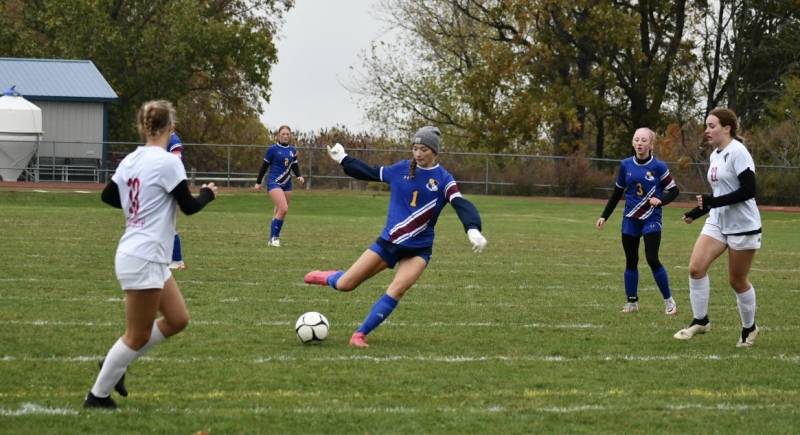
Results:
x,y
319,43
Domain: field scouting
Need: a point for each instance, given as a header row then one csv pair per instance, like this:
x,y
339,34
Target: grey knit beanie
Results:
x,y
429,136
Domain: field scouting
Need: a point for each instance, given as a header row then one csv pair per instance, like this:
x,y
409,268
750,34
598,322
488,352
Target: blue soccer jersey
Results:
x,y
280,159
415,203
642,181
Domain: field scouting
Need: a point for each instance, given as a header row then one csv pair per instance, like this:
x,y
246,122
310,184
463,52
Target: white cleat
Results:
x,y
692,330
670,308
274,241
630,307
748,338
177,265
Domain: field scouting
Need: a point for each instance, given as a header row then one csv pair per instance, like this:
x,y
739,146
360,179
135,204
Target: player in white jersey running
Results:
x,y
733,224
149,185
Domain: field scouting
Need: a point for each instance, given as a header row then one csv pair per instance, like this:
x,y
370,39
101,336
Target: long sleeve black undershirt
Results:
x,y
360,170
467,213
110,195
746,190
296,169
188,204
262,171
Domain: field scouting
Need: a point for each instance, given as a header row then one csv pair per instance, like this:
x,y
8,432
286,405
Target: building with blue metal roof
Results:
x,y
74,98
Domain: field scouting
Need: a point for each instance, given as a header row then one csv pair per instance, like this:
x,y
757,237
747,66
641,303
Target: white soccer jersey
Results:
x,y
145,179
723,174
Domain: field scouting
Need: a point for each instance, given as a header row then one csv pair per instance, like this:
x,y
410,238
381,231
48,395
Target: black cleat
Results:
x,y
120,387
93,401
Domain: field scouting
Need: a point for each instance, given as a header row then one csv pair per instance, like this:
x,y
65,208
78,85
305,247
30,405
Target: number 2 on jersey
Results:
x,y
414,198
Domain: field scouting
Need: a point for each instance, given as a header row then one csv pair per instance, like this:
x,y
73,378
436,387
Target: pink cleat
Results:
x,y
359,340
318,277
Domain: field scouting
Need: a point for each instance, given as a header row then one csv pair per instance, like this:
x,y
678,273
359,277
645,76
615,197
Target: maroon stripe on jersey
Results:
x,y
452,190
666,181
412,225
642,210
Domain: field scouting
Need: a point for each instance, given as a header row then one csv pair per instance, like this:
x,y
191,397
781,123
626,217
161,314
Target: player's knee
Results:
x,y
179,323
137,340
654,263
345,285
696,271
739,283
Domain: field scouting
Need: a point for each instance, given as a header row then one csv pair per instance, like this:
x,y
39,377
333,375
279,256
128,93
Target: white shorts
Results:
x,y
134,273
737,243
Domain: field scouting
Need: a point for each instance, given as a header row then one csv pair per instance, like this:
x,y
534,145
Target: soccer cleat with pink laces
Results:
x,y
359,339
318,277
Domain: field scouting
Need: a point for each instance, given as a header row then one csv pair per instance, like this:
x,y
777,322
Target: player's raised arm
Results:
x,y
352,166
189,204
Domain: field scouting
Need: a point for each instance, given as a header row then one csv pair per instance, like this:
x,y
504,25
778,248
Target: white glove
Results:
x,y
476,238
337,152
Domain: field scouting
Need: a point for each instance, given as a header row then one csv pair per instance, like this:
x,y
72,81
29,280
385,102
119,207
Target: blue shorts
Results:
x,y
285,187
637,227
391,253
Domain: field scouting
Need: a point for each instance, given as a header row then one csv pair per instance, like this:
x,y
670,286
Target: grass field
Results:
x,y
524,338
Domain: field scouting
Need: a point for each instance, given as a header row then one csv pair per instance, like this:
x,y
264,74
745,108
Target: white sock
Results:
x,y
155,337
747,307
699,291
114,366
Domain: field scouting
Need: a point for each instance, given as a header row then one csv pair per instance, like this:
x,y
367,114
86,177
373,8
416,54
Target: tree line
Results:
x,y
563,78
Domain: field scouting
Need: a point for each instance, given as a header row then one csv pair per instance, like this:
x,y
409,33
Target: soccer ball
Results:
x,y
311,327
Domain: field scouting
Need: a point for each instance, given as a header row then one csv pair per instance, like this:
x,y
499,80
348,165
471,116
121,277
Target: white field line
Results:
x,y
35,409
447,359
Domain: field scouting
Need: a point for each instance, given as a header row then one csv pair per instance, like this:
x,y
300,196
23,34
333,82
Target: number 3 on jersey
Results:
x,y
414,198
639,189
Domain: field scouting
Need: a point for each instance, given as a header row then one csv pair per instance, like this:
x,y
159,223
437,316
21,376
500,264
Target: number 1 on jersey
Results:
x,y
414,198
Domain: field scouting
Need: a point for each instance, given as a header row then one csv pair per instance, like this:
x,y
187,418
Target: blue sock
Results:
x,y
632,284
275,229
334,278
177,255
380,311
662,280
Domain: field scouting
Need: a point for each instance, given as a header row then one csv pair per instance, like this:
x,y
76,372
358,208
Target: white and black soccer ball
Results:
x,y
312,327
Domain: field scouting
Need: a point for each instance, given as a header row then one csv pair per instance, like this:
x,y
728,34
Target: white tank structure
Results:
x,y
20,131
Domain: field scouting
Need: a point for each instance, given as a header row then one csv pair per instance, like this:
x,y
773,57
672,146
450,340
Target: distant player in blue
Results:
x,y
281,160
420,188
175,146
648,186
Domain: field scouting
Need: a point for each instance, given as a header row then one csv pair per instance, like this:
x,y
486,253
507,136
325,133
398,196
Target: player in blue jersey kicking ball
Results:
x,y
281,160
648,186
420,188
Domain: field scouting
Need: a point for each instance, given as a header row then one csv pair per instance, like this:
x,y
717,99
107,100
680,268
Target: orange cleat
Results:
x,y
359,340
318,277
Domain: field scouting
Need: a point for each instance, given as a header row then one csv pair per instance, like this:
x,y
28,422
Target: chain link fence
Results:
x,y
232,165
